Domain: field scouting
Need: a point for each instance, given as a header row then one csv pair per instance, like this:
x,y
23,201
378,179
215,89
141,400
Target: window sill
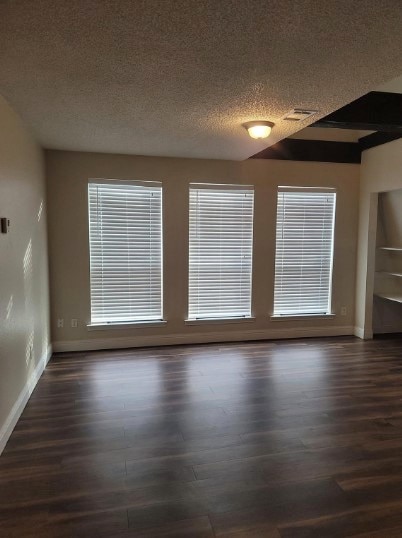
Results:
x,y
302,317
218,321
128,325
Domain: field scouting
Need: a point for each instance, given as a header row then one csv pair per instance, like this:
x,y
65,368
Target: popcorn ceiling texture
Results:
x,y
178,77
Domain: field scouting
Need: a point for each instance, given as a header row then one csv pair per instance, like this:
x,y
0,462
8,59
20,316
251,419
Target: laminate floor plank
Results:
x,y
279,439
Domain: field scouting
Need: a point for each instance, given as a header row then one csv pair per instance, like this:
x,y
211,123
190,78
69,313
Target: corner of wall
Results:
x,y
24,284
17,409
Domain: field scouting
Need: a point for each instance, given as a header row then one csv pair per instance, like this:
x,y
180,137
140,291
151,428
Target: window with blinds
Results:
x,y
220,251
125,238
304,251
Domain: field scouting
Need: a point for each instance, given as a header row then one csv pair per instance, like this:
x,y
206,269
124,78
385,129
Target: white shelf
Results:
x,y
394,249
394,297
388,273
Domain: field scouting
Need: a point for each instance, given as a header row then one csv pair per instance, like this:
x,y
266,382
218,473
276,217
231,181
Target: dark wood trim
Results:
x,y
293,149
377,139
375,111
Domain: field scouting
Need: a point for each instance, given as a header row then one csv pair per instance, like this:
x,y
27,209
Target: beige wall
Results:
x,y
24,332
381,170
67,175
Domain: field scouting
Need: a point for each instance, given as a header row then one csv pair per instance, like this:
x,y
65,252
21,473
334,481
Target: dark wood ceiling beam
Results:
x,y
377,139
293,149
375,111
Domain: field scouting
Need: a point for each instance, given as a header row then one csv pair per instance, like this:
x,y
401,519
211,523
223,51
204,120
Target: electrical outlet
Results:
x,y
344,311
60,323
74,323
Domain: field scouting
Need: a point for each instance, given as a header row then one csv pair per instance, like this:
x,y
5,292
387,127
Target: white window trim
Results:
x,y
234,319
128,325
219,321
138,182
321,315
301,317
135,323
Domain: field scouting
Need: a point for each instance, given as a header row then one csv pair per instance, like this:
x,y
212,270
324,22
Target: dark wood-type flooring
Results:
x,y
289,439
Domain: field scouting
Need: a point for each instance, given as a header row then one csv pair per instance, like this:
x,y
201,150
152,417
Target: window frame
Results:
x,y
102,325
318,315
221,319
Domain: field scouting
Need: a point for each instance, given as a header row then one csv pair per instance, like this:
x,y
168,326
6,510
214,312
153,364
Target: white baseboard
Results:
x,y
18,407
200,338
365,334
359,332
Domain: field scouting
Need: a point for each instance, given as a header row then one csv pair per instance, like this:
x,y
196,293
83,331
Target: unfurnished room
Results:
x,y
200,269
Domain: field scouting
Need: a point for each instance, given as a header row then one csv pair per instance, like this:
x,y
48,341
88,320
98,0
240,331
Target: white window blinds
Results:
x,y
221,240
304,250
126,251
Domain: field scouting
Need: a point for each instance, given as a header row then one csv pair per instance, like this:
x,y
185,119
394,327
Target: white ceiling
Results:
x,y
393,86
178,77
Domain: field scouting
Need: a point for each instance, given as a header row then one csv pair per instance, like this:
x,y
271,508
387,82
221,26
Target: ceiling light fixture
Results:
x,y
258,129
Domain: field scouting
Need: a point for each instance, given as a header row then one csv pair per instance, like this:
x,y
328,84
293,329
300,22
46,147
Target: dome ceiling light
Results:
x,y
258,129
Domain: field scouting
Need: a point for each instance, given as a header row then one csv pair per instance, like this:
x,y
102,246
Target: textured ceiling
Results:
x,y
394,85
178,77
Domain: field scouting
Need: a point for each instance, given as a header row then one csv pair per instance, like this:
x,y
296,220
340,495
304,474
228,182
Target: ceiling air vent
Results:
x,y
299,114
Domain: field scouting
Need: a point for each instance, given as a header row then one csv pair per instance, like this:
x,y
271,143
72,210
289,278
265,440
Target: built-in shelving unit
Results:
x,y
388,297
387,305
389,287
